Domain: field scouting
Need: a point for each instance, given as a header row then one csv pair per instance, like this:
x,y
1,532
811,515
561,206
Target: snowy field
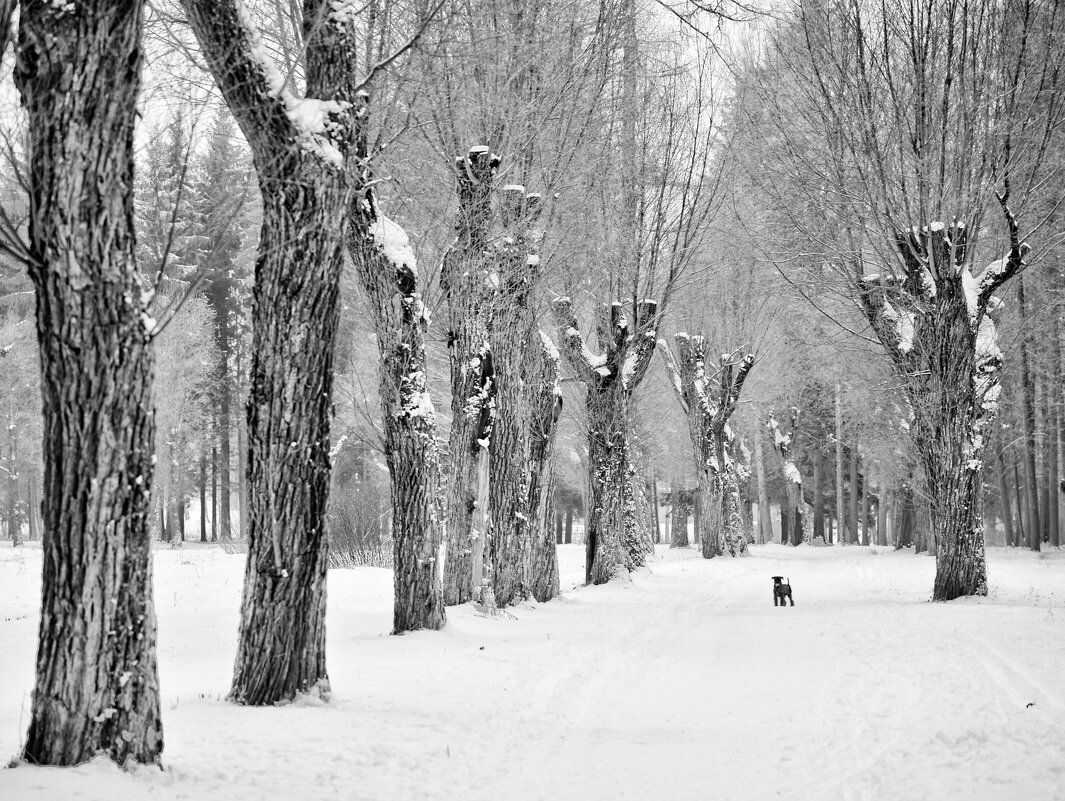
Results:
x,y
685,683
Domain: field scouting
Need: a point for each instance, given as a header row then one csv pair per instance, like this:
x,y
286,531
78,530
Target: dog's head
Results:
x,y
778,580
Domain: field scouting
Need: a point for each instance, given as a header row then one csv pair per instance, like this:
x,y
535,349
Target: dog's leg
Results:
x,y
775,599
791,599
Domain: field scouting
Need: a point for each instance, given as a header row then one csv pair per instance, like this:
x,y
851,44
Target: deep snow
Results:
x,y
685,683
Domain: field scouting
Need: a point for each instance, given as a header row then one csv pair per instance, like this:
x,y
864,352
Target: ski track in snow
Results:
x,y
683,683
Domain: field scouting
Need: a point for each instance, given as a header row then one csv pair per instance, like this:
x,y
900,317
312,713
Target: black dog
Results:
x,y
781,591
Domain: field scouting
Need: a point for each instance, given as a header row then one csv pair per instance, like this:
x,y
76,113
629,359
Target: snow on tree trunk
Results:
x,y
708,402
387,270
298,146
613,536
546,409
97,687
463,279
796,511
934,322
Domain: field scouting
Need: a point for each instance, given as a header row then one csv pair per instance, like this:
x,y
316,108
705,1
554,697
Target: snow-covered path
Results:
x,y
685,683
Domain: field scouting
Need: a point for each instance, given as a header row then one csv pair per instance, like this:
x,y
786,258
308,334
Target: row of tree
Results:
x,y
860,157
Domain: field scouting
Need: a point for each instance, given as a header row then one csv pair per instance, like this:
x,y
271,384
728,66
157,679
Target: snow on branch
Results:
x,y
271,117
673,371
1002,270
587,365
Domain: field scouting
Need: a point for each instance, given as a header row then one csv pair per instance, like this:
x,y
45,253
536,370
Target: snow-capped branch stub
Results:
x,y
393,243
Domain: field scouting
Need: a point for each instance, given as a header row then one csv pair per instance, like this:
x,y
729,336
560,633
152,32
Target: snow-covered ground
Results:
x,y
685,683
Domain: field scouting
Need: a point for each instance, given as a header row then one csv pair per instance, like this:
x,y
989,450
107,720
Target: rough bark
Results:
x,y
388,273
613,536
509,332
678,535
935,322
463,278
97,689
708,402
306,189
546,409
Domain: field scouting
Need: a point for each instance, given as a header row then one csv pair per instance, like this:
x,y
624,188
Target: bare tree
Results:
x,y
795,514
708,401
298,145
906,126
660,199
97,689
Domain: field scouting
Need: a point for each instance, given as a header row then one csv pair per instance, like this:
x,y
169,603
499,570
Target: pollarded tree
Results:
x,y
97,690
708,402
613,536
298,146
659,187
388,272
928,123
464,280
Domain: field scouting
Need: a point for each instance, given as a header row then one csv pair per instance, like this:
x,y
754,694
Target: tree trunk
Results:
x,y
463,278
852,513
509,452
904,514
560,534
34,505
223,459
14,523
678,535
173,493
1004,499
306,189
569,525
203,497
613,508
865,511
1028,420
765,520
614,535
841,516
546,410
655,509
214,494
1052,480
96,684
1022,508
1050,465
819,516
388,273
295,311
881,516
